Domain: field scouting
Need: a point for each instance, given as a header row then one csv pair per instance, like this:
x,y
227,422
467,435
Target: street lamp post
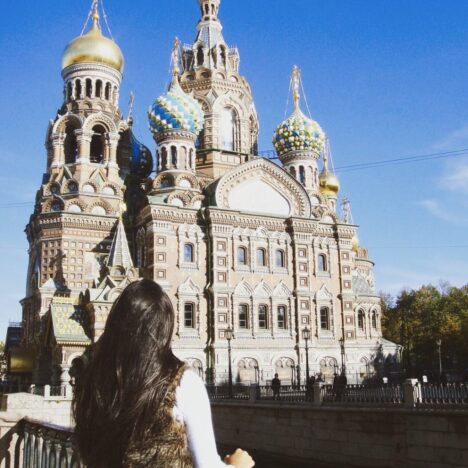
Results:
x,y
306,337
342,347
439,346
229,335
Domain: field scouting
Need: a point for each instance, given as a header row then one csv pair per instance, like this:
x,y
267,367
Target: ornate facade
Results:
x,y
236,240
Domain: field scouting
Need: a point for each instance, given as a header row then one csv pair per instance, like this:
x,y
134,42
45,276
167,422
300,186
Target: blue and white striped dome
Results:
x,y
176,110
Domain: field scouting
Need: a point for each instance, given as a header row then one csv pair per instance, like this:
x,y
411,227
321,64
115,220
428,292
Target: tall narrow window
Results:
x,y
242,256
261,257
302,175
89,88
228,122
293,171
69,91
281,317
70,145
99,88
164,158
174,156
189,321
107,93
280,259
97,144
374,320
200,56
189,256
78,89
243,316
263,317
324,318
360,319
322,263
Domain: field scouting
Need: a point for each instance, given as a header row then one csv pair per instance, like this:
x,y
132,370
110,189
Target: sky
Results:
x,y
385,79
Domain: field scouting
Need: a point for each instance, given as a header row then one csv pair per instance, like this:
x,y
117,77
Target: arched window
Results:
x,y
293,171
243,316
78,89
97,144
89,88
189,255
360,319
280,259
223,55
302,175
261,257
174,156
242,256
263,317
69,91
200,56
374,320
189,319
98,89
281,317
70,145
322,263
164,158
107,94
324,318
228,125
190,159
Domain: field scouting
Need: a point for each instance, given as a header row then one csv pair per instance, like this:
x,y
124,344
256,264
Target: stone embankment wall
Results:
x,y
307,436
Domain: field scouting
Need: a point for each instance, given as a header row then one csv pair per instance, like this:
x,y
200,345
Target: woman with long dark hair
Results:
x,y
137,405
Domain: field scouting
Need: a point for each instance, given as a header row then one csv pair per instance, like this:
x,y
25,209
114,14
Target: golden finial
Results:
x,y
326,151
95,13
131,103
175,57
295,78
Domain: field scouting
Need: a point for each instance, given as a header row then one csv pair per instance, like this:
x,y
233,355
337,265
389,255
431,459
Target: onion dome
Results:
x,y
93,47
298,132
176,110
141,164
329,184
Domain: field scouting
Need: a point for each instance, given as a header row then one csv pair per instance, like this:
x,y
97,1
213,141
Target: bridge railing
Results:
x,y
443,394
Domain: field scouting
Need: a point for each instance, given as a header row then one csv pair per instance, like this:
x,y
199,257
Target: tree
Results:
x,y
418,318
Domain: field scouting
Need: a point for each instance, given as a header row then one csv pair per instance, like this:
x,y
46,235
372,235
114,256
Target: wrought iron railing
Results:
x,y
387,394
238,392
443,394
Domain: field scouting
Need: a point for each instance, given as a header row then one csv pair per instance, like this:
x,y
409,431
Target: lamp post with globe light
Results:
x,y
306,337
229,335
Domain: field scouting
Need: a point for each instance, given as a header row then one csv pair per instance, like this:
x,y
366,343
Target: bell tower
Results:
x,y
210,70
90,152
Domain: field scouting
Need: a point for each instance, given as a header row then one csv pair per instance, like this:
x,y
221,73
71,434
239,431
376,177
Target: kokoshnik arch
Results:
x,y
236,240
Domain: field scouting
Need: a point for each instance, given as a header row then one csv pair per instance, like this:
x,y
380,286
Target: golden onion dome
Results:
x,y
355,243
93,47
328,183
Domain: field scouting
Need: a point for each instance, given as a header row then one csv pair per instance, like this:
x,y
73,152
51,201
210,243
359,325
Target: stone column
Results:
x,y
58,141
83,138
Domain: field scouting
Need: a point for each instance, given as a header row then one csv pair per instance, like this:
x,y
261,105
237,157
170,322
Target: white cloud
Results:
x,y
454,140
440,212
456,178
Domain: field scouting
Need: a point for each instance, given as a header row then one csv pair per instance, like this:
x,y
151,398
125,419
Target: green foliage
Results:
x,y
418,318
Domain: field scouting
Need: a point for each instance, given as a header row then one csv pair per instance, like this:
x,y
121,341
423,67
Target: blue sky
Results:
x,y
385,79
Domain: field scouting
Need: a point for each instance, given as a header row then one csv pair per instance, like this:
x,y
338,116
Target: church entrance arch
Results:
x,y
247,371
328,368
285,369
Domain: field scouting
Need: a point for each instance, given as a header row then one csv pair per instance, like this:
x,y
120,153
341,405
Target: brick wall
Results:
x,y
298,436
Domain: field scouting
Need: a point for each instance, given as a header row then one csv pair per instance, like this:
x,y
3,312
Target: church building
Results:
x,y
251,251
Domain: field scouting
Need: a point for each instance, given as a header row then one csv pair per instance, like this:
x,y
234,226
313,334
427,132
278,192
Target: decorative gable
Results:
x,y
260,186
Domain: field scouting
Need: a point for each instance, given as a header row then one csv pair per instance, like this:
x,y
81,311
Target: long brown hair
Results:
x,y
119,390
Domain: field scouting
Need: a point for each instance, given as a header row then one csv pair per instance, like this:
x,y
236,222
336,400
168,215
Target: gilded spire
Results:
x,y
176,57
326,152
296,80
